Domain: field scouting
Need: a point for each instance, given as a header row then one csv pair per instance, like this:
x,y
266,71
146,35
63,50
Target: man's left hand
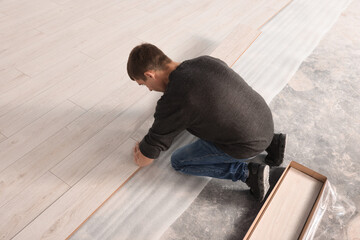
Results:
x,y
139,158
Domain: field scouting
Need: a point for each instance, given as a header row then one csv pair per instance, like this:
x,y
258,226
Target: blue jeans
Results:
x,y
202,158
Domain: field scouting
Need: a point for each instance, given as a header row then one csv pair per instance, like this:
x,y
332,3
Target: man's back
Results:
x,y
219,106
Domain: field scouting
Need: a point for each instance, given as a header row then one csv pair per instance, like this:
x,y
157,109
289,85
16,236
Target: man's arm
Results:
x,y
170,120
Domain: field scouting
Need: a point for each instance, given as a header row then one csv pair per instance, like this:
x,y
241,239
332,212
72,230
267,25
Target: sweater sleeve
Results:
x,y
169,121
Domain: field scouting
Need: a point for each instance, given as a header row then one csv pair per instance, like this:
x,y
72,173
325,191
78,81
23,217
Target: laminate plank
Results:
x,y
90,32
278,4
69,211
229,50
32,135
236,43
163,31
56,148
19,95
75,11
172,13
169,37
139,134
115,60
89,96
120,40
18,31
175,40
26,206
23,37
180,46
90,6
2,138
86,157
10,25
225,24
286,215
47,22
60,2
261,16
178,11
21,8
152,6
79,32
44,18
64,17
123,14
204,21
206,12
10,78
13,24
154,23
18,118
8,4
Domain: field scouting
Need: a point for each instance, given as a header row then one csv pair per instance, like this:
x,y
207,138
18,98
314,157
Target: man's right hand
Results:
x,y
139,158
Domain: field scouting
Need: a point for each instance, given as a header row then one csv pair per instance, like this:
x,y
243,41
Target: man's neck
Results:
x,y
166,73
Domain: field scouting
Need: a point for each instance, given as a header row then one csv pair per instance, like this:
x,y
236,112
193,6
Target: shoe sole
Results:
x,y
282,144
265,182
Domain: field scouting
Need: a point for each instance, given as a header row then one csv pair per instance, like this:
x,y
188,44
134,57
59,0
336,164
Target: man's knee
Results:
x,y
175,160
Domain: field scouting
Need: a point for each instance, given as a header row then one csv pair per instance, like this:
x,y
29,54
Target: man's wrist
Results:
x,y
148,150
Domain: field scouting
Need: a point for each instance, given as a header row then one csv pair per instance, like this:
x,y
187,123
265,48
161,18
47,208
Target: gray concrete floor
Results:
x,y
319,110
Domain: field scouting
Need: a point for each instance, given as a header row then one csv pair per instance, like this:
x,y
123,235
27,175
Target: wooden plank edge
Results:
x,y
308,171
246,48
275,14
133,174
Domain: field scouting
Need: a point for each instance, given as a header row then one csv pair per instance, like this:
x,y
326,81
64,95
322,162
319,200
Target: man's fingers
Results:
x,y
137,159
135,156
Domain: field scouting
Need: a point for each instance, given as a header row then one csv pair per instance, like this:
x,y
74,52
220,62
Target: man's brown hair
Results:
x,y
145,57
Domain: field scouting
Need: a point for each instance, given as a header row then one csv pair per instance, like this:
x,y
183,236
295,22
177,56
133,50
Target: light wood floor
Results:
x,y
69,115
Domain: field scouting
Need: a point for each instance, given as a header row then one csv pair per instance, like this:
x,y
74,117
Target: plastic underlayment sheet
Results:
x,y
341,208
157,195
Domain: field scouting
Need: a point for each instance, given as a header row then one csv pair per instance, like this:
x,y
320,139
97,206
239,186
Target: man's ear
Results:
x,y
149,74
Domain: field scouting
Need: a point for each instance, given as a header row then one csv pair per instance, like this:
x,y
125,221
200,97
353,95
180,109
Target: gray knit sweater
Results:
x,y
211,101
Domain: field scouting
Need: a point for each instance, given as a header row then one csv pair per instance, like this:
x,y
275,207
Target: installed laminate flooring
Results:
x,y
69,113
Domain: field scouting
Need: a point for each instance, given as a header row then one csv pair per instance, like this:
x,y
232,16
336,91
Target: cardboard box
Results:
x,y
290,207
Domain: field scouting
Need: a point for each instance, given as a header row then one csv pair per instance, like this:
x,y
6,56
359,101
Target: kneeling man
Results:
x,y
208,99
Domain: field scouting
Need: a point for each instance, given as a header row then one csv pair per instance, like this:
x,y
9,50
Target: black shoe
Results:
x,y
258,180
276,150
